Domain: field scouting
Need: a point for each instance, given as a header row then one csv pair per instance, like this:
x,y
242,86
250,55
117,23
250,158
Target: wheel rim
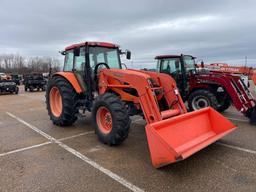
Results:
x,y
104,120
200,102
55,102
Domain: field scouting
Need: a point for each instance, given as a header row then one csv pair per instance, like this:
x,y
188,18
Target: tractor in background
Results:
x,y
246,73
93,80
202,88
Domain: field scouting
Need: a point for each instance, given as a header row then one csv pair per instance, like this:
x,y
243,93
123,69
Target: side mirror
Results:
x,y
128,54
62,52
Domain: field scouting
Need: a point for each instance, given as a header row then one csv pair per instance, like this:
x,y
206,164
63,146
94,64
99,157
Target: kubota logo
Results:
x,y
118,75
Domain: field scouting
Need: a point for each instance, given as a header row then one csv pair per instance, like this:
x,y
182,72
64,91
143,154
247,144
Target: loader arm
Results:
x,y
172,134
118,80
241,96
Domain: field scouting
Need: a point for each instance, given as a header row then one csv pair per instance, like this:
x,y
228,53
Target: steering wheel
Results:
x,y
97,67
95,72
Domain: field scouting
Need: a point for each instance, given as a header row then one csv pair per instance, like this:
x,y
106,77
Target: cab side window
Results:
x,y
165,67
170,66
80,60
68,63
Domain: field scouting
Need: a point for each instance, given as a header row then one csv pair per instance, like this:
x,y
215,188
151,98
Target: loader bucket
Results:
x,y
179,137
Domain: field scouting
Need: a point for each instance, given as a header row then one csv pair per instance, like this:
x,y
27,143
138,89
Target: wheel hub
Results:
x,y
55,101
104,120
200,102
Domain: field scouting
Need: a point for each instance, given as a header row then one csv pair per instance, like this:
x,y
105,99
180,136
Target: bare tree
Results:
x,y
15,63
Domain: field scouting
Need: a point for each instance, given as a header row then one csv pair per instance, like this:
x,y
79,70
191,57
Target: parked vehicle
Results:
x,y
202,88
4,76
17,78
246,73
93,80
8,86
34,81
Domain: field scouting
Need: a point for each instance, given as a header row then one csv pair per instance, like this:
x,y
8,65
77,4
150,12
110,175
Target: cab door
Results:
x,y
171,66
79,66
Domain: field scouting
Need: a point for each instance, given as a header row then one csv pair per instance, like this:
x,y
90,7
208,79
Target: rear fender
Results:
x,y
71,78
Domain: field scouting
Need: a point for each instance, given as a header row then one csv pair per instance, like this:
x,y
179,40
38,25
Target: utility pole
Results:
x,y
245,61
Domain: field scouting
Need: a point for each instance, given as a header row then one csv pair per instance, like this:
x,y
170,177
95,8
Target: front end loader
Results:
x,y
93,80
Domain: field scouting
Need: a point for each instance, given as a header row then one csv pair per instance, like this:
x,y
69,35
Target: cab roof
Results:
x,y
94,43
170,56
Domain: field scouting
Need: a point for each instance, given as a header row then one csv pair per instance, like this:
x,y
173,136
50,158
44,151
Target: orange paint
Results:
x,y
104,120
254,77
225,68
55,102
172,134
70,76
179,137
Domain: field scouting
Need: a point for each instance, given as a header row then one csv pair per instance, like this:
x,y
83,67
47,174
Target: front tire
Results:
x,y
251,114
202,98
61,101
225,105
110,119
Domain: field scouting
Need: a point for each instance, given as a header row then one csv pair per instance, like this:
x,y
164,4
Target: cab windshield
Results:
x,y
189,63
110,56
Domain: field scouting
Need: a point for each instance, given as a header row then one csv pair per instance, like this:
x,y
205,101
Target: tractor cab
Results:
x,y
86,59
180,67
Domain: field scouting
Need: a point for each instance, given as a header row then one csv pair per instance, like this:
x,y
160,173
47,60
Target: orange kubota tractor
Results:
x,y
93,80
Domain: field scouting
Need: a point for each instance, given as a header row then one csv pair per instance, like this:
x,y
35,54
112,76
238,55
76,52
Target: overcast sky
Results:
x,y
215,31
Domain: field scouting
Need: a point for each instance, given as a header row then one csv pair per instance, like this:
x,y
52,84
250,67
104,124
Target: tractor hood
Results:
x,y
152,77
216,74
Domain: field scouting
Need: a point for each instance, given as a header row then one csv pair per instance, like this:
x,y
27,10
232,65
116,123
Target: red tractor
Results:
x,y
201,88
93,80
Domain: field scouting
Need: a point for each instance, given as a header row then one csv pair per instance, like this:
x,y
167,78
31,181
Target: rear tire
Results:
x,y
226,104
202,98
110,119
69,102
